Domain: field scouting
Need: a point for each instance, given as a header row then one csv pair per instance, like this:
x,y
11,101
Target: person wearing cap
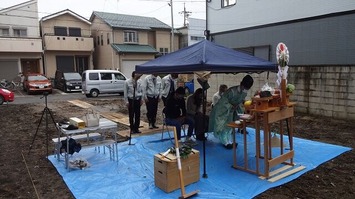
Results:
x,y
226,110
133,92
168,86
175,112
151,93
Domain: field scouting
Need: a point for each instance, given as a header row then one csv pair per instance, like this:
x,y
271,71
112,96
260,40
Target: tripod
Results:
x,y
45,112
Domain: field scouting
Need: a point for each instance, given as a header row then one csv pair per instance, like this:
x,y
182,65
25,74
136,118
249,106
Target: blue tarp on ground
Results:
x,y
132,176
206,56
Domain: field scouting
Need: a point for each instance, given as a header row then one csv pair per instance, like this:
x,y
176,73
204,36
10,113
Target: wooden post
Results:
x,y
283,92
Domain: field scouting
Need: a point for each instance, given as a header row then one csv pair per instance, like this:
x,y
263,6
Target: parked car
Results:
x,y
36,82
6,96
95,82
67,81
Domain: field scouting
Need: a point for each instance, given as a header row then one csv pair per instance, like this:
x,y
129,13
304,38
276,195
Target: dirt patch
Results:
x,y
28,174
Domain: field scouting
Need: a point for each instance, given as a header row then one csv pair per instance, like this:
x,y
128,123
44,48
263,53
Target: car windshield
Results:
x,y
72,76
37,78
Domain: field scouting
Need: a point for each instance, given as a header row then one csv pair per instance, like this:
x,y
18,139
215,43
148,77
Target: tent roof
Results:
x,y
206,56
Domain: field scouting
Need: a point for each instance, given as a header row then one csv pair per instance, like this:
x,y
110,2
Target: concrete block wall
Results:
x,y
320,90
324,90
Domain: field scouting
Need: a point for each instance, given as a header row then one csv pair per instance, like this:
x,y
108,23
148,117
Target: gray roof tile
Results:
x,y
131,21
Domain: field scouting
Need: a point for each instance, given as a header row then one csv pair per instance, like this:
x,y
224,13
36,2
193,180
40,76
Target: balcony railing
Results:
x,y
66,43
18,44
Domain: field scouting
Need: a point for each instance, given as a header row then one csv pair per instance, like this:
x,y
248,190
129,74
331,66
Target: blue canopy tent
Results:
x,y
206,56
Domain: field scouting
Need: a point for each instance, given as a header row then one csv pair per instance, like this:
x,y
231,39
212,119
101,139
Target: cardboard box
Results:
x,y
166,173
77,122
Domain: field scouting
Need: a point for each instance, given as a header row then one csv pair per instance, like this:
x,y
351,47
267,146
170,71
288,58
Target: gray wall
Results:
x,y
314,41
324,90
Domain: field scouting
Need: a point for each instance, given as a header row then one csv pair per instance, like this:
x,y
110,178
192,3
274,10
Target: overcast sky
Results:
x,y
150,8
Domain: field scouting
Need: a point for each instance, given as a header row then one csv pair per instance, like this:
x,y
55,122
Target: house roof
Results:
x,y
63,12
129,21
17,6
134,48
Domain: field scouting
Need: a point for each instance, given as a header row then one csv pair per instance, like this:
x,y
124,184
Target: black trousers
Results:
x,y
152,108
201,125
134,112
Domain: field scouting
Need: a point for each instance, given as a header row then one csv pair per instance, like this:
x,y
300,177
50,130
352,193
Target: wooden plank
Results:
x,y
280,159
107,115
145,131
80,103
281,114
119,115
287,173
276,171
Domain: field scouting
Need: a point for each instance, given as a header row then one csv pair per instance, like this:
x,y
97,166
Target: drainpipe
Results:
x,y
43,49
113,53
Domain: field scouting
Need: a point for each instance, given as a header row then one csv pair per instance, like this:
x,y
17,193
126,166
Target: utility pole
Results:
x,y
172,27
186,15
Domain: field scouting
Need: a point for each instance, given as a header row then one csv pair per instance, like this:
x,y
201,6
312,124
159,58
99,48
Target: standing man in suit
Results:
x,y
151,93
169,85
133,92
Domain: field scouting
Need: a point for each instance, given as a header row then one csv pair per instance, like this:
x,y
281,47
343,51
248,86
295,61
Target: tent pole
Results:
x,y
204,95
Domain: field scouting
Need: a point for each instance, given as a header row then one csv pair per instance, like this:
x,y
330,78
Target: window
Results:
x,y
108,38
60,31
130,37
226,3
20,32
102,40
196,38
119,76
4,32
163,51
106,76
98,40
76,32
93,76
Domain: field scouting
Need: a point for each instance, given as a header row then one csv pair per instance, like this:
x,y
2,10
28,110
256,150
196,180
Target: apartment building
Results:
x,y
21,44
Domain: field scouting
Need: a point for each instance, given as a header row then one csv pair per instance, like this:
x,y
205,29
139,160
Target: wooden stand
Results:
x,y
242,125
269,116
263,119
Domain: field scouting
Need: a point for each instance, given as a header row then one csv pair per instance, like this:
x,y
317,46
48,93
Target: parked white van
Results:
x,y
95,82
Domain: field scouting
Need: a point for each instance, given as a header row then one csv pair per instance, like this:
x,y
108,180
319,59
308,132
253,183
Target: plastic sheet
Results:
x,y
132,176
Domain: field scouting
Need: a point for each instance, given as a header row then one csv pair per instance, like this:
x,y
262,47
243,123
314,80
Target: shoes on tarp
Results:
x,y
230,146
190,142
136,132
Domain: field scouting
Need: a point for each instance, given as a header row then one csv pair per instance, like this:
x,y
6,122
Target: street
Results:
x,y
22,97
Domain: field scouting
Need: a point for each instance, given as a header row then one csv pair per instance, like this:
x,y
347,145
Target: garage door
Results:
x,y
9,69
129,66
